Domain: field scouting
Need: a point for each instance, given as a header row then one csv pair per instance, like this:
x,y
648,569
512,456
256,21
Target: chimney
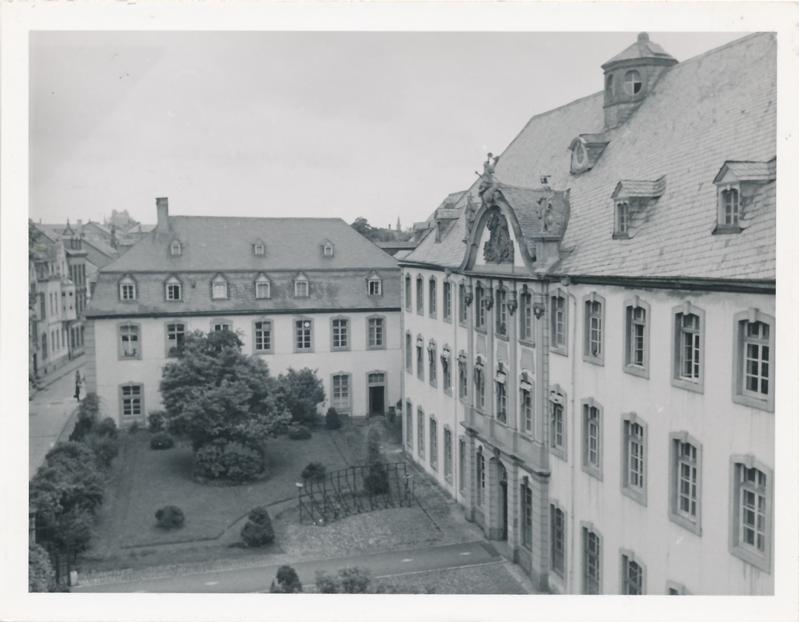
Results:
x,y
162,205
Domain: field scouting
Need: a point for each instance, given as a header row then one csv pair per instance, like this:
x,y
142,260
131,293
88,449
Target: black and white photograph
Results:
x,y
433,311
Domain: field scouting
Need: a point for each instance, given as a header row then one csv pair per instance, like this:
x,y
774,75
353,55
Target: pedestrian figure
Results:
x,y
77,384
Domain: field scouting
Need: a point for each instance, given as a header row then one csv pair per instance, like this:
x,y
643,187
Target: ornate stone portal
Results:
x,y
499,247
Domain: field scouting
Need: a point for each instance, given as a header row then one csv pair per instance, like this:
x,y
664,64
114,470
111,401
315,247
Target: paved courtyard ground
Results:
x,y
128,544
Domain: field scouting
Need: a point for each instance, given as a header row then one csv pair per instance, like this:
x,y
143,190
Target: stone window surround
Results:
x,y
125,280
294,333
598,359
639,496
168,347
346,333
587,527
382,345
739,396
562,348
558,396
585,406
631,557
120,349
677,312
173,280
630,305
761,560
123,417
271,349
694,526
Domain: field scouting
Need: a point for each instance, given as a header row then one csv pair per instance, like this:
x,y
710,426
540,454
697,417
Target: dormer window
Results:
x,y
729,207
738,186
375,286
622,220
175,248
632,82
327,249
263,287
173,289
301,286
586,150
259,248
219,288
127,289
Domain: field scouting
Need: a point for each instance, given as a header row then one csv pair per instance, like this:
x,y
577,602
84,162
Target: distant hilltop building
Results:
x,y
301,292
589,332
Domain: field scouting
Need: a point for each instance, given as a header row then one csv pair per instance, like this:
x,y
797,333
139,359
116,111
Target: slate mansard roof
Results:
x,y
211,246
714,108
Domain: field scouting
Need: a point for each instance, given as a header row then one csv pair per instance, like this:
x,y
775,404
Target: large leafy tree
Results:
x,y
301,390
213,392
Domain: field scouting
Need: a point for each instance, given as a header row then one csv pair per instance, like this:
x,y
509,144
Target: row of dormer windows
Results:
x,y
220,288
258,248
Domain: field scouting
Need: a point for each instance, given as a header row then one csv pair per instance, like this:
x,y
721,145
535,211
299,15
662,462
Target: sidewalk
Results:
x,y
50,412
68,368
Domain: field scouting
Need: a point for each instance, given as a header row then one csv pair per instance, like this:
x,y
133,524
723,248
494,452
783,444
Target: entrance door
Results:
x,y
377,393
503,502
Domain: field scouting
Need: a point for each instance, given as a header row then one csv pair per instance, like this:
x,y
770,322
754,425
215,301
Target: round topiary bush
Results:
x,y
105,448
170,517
258,531
286,581
107,427
230,460
332,420
314,471
161,440
299,433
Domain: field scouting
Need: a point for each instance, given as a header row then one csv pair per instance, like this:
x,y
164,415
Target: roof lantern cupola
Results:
x,y
630,76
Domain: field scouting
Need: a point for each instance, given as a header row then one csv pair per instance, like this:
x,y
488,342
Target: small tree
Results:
x,y
332,420
41,577
376,481
326,584
258,530
300,391
286,581
354,580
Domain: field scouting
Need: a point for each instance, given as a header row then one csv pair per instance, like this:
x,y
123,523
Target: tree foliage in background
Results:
x,y
213,392
41,576
300,390
378,234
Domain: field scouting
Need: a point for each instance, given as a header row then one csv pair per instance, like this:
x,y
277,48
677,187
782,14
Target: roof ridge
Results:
x,y
326,218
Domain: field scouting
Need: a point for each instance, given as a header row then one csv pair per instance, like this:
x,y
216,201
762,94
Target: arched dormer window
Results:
x,y
327,248
301,286
175,248
729,207
219,288
263,287
632,82
374,285
127,288
259,248
173,289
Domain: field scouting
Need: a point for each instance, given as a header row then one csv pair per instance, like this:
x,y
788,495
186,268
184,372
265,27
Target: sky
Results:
x,y
379,125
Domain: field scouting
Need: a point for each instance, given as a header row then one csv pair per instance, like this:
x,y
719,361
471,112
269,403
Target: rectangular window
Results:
x,y
419,360
632,575
501,322
559,325
448,455
502,402
685,507
636,347
128,341
593,331
420,433
341,393
480,471
527,514
479,387
301,288
480,308
263,336
175,334
340,329
432,294
592,440
447,294
463,380
634,460
376,332
409,425
220,325
302,335
622,219
751,529
557,433
419,295
688,349
433,444
446,372
756,359
219,289
42,307
557,526
592,557
526,407
432,366
408,353
262,289
526,317
407,292
131,400
375,287
463,310
173,291
461,464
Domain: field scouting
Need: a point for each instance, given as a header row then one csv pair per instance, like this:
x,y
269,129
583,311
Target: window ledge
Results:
x,y
752,557
639,496
383,347
723,229
594,360
685,523
502,336
263,351
559,452
765,404
525,341
621,236
593,471
340,349
559,350
448,320
448,391
636,370
688,385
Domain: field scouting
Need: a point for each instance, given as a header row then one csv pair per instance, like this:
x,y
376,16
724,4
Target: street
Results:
x,y
258,579
49,411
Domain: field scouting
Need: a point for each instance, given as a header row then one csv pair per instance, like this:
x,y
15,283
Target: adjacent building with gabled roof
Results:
x,y
300,292
589,338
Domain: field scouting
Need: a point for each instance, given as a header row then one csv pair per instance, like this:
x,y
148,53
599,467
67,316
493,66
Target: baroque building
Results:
x,y
300,292
589,332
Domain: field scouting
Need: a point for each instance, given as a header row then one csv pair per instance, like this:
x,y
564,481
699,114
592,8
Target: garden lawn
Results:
x,y
145,480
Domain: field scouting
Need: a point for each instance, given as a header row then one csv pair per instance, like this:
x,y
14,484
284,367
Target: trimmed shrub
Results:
x,y
69,478
258,531
376,481
314,471
73,530
373,446
170,517
107,427
231,460
332,420
105,448
161,440
354,580
326,584
156,421
299,433
286,581
41,576
134,427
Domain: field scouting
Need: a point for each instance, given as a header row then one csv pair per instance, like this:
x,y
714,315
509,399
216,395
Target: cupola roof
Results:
x,y
642,49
